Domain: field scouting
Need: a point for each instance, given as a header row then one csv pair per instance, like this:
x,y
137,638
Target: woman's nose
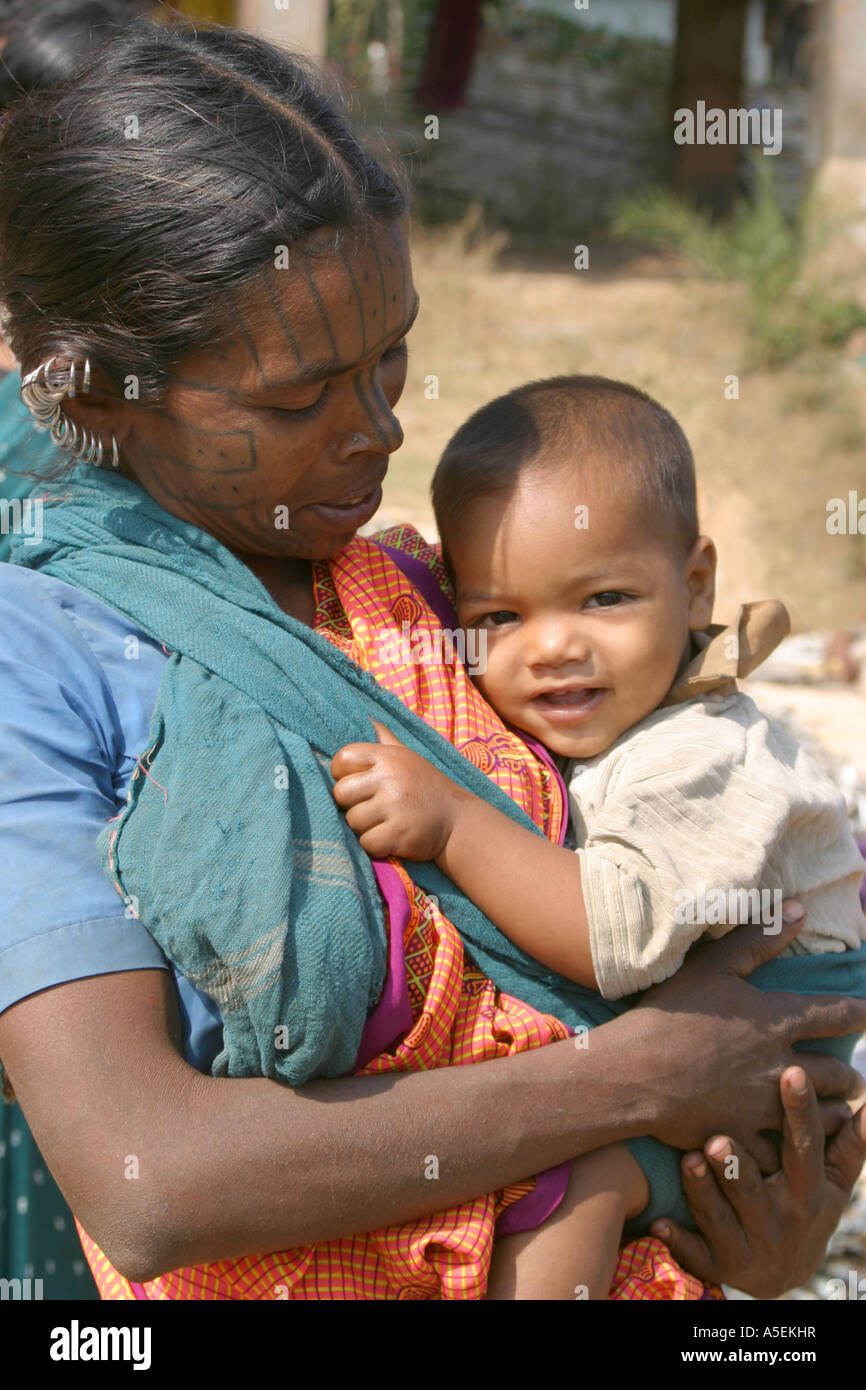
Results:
x,y
376,428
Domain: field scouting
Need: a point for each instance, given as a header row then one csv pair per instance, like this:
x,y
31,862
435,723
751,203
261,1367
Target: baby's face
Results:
x,y
586,614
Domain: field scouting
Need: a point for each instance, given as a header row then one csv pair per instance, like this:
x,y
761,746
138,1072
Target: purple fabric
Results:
x,y
424,580
862,844
532,1210
392,1016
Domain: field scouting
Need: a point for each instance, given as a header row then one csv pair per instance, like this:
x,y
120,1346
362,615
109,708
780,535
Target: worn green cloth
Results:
x,y
231,848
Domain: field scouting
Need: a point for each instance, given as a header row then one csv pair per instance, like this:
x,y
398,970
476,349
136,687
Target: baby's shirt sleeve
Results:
x,y
683,823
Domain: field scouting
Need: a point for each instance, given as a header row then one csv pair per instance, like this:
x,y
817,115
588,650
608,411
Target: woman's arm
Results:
x,y
227,1168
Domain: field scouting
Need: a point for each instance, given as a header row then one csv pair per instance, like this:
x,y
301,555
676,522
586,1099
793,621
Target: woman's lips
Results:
x,y
347,516
569,706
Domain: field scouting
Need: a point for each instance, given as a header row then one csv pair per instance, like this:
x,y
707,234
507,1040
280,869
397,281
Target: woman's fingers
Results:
x,y
834,1114
803,1137
708,1205
829,1076
749,946
824,1016
846,1154
688,1248
737,1174
711,1212
765,1153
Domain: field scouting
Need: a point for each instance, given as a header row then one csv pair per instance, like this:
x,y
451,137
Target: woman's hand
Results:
x,y
395,801
720,1045
766,1235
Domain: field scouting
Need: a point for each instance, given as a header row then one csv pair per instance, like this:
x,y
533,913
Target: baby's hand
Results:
x,y
396,803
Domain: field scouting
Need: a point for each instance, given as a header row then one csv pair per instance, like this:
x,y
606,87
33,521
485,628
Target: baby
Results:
x,y
567,512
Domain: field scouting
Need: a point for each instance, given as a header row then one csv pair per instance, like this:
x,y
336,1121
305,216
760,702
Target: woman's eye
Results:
x,y
609,598
303,411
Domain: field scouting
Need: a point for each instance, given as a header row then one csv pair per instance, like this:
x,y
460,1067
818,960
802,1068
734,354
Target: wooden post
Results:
x,y
840,79
456,32
297,24
708,67
223,11
839,146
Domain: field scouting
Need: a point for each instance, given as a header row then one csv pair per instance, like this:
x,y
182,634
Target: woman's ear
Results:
x,y
701,583
102,414
93,409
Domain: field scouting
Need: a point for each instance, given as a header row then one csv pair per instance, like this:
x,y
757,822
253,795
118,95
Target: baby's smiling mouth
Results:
x,y
569,704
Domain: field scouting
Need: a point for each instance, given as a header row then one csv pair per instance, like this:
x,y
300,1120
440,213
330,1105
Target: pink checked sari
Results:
x,y
437,1009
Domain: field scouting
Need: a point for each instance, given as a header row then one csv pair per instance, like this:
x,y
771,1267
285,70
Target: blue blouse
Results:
x,y
78,684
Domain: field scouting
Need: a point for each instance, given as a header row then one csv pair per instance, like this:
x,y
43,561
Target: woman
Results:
x,y
236,273
38,46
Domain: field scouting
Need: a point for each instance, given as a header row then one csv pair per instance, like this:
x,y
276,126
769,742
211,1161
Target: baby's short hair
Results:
x,y
561,418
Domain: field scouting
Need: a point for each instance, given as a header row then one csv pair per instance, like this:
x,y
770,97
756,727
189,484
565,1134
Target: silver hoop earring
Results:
x,y
42,392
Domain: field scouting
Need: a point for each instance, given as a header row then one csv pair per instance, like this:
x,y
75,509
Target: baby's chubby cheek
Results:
x,y
495,682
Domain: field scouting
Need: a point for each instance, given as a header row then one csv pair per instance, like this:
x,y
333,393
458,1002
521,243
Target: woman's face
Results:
x,y
277,441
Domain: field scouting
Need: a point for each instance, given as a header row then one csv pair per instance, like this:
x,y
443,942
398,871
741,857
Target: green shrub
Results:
x,y
760,247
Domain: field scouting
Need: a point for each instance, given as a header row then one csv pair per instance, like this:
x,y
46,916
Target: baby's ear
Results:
x,y
700,579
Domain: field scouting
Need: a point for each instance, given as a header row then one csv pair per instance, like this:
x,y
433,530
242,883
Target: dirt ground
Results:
x,y
768,462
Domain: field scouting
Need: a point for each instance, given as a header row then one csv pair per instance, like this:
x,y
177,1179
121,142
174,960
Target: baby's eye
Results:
x,y
500,618
609,598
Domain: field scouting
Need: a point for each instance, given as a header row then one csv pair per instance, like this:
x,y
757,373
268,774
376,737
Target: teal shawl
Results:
x,y
23,452
231,848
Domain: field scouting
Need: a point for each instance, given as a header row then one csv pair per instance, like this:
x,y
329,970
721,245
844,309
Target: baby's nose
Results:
x,y
560,642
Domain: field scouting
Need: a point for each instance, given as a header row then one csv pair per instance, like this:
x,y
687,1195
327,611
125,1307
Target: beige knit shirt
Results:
x,y
700,803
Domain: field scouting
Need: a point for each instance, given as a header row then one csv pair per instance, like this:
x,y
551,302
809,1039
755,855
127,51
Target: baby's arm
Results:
x,y
398,804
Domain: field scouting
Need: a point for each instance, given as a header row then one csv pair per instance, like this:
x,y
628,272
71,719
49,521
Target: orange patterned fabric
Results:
x,y
647,1271
362,601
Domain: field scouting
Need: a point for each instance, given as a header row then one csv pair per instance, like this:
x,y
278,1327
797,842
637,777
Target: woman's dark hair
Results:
x,y
46,41
571,419
139,197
